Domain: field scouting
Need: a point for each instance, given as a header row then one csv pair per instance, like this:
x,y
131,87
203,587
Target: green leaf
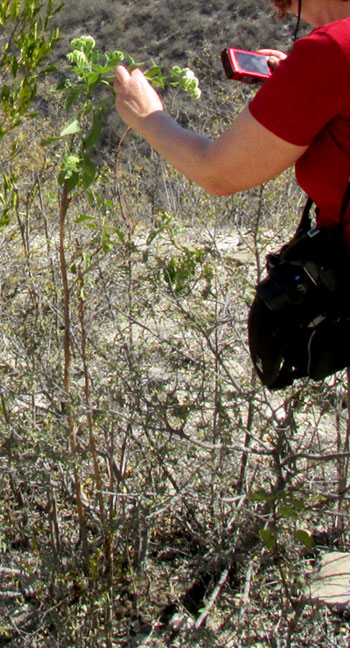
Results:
x,y
86,260
304,537
170,272
132,65
73,95
4,634
5,93
71,129
47,70
268,538
107,243
182,412
89,171
260,496
94,133
297,503
72,181
114,58
82,218
287,512
49,140
92,79
61,177
152,236
153,71
120,234
14,66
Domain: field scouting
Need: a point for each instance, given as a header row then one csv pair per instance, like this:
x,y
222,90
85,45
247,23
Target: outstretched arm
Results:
x,y
244,156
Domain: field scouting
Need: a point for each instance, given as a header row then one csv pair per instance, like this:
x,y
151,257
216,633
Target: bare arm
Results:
x,y
244,156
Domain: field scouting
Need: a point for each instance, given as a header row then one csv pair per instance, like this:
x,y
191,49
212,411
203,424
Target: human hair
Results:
x,y
282,6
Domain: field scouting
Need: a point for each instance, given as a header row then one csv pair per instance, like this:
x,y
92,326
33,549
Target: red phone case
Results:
x,y
242,65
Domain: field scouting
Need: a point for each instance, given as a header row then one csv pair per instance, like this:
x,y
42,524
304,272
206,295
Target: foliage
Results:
x,y
26,48
93,69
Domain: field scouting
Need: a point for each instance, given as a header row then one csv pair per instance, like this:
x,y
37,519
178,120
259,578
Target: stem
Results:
x,y
343,451
108,539
66,404
247,442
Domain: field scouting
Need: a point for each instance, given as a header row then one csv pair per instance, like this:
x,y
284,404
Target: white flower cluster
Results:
x,y
185,78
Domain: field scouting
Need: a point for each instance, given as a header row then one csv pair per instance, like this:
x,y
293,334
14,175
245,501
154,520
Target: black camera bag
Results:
x,y
299,322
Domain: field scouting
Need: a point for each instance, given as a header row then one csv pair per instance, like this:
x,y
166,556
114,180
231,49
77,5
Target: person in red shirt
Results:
x,y
308,102
300,116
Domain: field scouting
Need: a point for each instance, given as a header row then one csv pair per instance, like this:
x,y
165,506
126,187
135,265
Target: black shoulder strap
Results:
x,y
345,203
305,221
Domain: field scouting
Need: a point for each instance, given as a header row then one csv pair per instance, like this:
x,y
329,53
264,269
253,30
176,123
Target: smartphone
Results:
x,y
240,65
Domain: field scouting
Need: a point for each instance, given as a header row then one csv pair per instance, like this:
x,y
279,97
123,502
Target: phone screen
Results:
x,y
252,62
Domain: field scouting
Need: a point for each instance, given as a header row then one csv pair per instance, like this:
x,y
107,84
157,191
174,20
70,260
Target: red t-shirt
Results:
x,y
307,102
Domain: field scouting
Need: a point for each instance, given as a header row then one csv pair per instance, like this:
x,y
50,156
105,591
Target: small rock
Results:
x,y
332,583
180,621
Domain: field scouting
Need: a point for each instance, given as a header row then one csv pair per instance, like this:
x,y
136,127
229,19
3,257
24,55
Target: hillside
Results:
x,y
187,32
175,32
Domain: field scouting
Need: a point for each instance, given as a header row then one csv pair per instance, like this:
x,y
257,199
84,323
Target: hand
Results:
x,y
136,99
274,57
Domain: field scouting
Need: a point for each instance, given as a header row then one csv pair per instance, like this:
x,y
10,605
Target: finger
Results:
x,y
121,75
267,52
272,52
273,62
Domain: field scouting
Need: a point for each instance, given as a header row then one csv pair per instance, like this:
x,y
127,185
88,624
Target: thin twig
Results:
x,y
213,598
